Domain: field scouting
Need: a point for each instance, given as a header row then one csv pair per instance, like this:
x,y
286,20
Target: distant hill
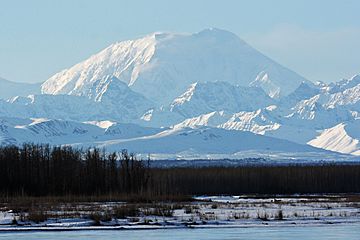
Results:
x,y
10,89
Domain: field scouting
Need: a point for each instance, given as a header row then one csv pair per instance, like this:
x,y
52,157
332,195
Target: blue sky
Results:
x,y
318,39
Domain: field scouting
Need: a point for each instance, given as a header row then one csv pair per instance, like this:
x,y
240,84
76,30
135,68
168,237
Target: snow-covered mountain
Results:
x,y
304,91
173,143
219,96
344,138
112,100
344,84
161,66
188,95
205,140
54,131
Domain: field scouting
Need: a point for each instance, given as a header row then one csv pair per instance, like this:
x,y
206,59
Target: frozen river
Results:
x,y
331,231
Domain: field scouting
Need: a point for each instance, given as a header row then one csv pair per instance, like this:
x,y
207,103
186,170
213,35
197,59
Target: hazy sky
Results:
x,y
318,39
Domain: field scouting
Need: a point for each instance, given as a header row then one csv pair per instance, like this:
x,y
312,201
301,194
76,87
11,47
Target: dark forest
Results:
x,y
41,170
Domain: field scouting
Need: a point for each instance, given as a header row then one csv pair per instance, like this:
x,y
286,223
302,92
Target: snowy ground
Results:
x,y
203,212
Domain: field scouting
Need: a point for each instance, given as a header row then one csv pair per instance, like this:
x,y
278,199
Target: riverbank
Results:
x,y
202,212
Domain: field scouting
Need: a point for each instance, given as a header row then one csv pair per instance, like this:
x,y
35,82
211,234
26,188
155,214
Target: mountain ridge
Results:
x,y
10,89
181,85
162,66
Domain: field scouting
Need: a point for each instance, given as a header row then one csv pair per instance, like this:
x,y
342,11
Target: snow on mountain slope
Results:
x,y
263,81
47,106
204,140
101,124
10,89
110,88
41,130
62,132
344,84
314,113
259,122
343,138
160,117
293,133
118,99
129,131
301,126
307,109
118,104
112,99
116,136
303,92
9,134
219,96
121,60
262,121
325,109
161,66
207,91
212,119
349,96
201,99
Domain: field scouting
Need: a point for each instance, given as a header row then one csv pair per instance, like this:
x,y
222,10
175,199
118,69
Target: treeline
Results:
x,y
41,170
302,179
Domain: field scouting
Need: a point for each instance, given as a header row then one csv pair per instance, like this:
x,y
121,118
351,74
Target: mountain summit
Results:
x,y
187,95
161,66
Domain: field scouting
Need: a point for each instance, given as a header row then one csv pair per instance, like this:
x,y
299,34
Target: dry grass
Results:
x,y
38,210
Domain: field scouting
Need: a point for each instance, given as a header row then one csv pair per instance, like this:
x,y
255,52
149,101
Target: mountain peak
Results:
x,y
160,36
218,33
345,84
161,66
355,78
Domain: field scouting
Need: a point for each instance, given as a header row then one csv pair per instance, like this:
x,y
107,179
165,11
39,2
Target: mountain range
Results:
x,y
207,94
